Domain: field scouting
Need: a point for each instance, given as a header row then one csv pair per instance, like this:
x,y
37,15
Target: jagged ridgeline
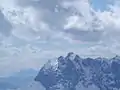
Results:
x,y
74,73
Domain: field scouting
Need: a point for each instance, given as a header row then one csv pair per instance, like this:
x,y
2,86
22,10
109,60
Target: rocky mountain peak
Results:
x,y
71,72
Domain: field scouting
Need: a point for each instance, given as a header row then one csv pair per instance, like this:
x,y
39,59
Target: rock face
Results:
x,y
74,73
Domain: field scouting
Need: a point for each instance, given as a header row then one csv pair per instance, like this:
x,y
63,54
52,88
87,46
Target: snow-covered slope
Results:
x,y
75,73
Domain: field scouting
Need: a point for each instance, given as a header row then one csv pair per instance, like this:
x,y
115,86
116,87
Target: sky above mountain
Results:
x,y
33,31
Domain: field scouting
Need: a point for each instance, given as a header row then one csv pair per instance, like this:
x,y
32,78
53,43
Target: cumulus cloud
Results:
x,y
90,19
33,31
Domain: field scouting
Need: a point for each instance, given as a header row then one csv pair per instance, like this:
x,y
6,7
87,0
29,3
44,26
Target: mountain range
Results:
x,y
75,73
70,72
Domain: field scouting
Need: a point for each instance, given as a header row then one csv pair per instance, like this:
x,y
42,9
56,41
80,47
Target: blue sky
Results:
x,y
100,5
33,31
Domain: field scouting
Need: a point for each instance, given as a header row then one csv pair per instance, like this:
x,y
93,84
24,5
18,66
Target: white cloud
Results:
x,y
14,59
82,13
90,20
39,33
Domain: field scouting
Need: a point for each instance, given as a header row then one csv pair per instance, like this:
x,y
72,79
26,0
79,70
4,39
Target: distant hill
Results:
x,y
19,79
